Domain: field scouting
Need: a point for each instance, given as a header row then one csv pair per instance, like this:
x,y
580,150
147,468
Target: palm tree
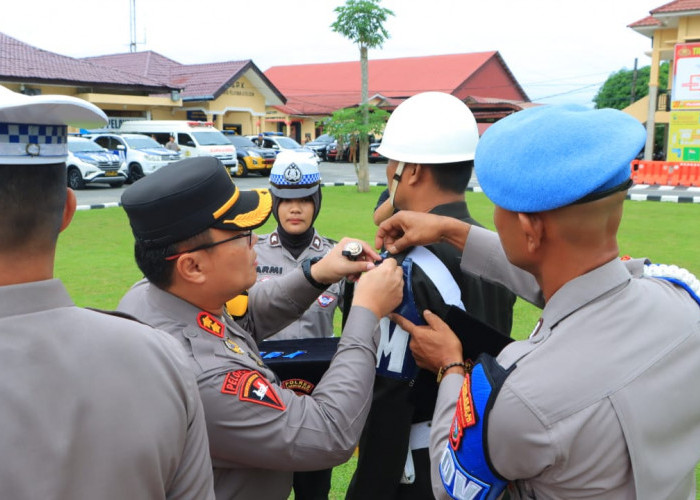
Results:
x,y
362,22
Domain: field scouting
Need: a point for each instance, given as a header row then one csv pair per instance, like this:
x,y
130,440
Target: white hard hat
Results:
x,y
33,128
294,175
432,128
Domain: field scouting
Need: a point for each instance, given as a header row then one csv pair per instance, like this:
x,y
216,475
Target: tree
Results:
x,y
347,126
616,93
617,89
362,22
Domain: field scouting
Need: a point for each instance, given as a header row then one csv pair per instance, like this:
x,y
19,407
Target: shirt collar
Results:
x,y
26,298
584,289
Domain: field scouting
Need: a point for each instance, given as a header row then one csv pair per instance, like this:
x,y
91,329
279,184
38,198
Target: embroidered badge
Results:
x,y
250,386
325,300
210,324
298,385
464,413
231,345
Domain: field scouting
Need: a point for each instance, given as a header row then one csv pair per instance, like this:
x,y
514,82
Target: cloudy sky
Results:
x,y
559,50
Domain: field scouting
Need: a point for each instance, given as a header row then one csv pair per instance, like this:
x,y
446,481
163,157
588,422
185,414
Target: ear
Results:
x,y
414,175
189,268
532,227
69,208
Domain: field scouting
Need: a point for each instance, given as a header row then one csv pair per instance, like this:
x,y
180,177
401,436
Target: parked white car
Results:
x,y
142,154
89,162
282,143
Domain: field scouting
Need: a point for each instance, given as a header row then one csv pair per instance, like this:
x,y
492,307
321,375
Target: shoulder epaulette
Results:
x,y
117,314
678,275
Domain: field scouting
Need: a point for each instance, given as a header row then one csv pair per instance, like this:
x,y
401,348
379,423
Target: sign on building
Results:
x,y
684,123
685,93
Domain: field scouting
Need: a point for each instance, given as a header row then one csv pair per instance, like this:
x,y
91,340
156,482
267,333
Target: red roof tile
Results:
x,y
313,89
197,81
646,22
22,62
677,6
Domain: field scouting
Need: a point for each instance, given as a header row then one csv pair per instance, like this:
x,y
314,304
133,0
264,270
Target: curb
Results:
x,y
670,198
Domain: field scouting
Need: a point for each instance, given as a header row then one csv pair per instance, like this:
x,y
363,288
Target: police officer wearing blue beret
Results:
x,y
196,247
600,401
93,405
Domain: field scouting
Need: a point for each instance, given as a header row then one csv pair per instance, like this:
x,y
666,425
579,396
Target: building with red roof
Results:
x,y
315,91
236,95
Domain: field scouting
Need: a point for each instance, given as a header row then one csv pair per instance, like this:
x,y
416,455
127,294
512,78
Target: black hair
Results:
x,y
151,260
453,177
32,199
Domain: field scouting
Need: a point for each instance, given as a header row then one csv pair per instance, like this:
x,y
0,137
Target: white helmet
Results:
x,y
294,175
432,128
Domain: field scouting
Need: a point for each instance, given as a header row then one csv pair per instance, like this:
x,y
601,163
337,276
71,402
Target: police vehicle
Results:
x,y
88,162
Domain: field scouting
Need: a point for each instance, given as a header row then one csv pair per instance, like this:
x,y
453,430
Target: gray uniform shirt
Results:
x,y
94,406
602,403
274,261
260,433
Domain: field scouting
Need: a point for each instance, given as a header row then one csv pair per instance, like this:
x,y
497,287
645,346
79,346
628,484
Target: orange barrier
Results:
x,y
674,178
663,173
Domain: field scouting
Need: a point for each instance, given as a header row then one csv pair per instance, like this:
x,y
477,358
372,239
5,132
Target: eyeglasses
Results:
x,y
247,234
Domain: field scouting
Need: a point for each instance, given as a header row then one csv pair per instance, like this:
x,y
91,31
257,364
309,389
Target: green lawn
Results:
x,y
95,255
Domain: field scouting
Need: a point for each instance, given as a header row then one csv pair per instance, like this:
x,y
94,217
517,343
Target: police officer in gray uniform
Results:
x,y
93,405
296,202
194,243
600,401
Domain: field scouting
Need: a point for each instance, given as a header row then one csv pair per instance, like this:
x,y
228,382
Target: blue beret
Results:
x,y
551,156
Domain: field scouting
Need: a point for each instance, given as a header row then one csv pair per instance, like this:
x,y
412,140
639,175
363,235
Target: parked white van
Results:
x,y
193,138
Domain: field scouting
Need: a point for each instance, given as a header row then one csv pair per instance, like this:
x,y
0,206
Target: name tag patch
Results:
x,y
298,385
250,386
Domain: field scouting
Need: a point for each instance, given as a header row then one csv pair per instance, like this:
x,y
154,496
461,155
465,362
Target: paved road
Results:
x,y
345,173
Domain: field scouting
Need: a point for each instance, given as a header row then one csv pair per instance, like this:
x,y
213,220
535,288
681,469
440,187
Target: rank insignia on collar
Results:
x,y
316,243
209,323
251,387
231,345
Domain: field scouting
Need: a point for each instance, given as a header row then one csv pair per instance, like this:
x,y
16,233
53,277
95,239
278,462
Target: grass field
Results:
x,y
95,255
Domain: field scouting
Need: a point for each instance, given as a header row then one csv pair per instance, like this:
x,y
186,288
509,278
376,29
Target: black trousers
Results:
x,y
312,485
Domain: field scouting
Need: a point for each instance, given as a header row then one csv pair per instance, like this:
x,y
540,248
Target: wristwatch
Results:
x,y
306,269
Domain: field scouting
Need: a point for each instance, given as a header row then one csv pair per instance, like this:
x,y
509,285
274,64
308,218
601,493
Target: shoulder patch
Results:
x,y
209,323
325,300
464,413
251,387
298,385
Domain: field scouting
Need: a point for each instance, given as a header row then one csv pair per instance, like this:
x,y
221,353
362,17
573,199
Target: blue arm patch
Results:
x,y
465,468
